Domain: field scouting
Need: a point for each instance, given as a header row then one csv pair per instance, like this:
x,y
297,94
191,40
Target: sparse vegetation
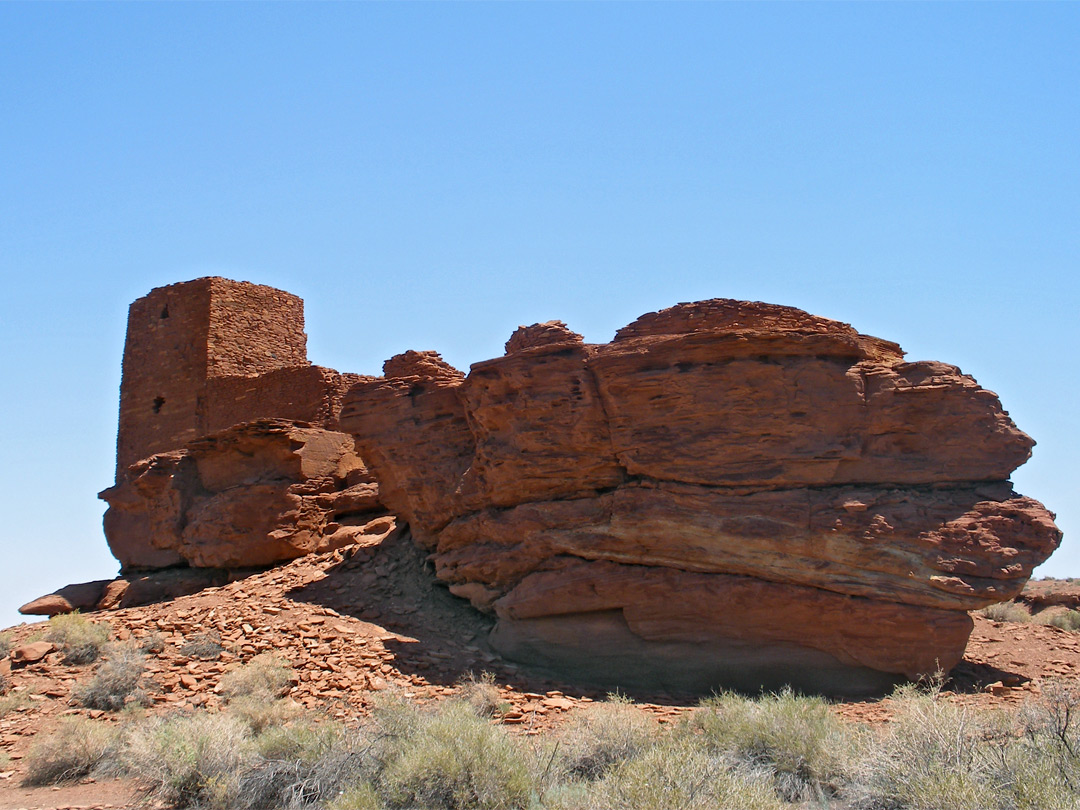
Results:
x,y
205,646
1007,612
71,752
777,752
12,701
79,639
263,677
797,740
188,760
482,694
1062,619
602,735
117,682
5,644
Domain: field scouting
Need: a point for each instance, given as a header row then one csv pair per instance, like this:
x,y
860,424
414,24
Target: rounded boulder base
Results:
x,y
599,650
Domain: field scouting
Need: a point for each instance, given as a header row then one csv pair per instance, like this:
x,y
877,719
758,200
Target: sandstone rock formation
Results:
x,y
251,495
205,475
727,493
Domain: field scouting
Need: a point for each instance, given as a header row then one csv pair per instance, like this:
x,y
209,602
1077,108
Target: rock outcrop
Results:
x,y
252,495
727,493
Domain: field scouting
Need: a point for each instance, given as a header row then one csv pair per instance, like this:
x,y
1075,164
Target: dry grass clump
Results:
x,y
117,682
254,693
12,702
5,644
1007,612
71,752
189,760
205,646
264,676
936,755
79,639
672,774
480,692
601,735
456,760
796,739
1062,619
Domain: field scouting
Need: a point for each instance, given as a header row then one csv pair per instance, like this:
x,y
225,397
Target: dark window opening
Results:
x,y
165,312
158,402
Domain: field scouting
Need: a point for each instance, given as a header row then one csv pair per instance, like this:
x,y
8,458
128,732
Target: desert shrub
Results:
x,y
356,797
191,759
302,742
79,639
254,692
456,760
117,682
601,735
260,714
12,702
264,677
5,684
71,752
1062,619
205,646
482,694
5,644
300,766
797,739
674,774
1007,612
932,756
152,644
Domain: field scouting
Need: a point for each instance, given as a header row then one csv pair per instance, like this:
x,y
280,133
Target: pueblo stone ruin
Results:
x,y
727,494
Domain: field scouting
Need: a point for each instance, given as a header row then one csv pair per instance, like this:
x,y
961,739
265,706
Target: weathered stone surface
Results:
x,y
30,653
252,495
687,489
80,596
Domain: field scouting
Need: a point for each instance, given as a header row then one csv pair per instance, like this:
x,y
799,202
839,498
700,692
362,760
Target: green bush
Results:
x,y
797,739
1007,612
456,760
79,639
189,760
71,752
117,682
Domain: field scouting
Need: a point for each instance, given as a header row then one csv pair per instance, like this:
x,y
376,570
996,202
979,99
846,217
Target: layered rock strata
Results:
x,y
727,493
251,495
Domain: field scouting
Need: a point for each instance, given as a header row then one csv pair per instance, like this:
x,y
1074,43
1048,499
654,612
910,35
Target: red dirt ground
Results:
x,y
360,621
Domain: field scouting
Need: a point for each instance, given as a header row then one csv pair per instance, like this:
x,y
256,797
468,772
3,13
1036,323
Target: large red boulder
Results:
x,y
252,495
727,493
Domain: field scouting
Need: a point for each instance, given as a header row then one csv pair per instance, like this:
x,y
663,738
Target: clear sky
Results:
x,y
431,176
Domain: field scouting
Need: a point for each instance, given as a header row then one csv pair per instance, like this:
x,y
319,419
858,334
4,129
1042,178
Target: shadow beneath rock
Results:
x,y
438,637
969,678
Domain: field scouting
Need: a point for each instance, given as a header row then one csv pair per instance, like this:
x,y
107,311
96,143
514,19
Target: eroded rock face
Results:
x,y
728,493
252,495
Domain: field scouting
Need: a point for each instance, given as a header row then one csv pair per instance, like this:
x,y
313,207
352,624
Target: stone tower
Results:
x,y
183,337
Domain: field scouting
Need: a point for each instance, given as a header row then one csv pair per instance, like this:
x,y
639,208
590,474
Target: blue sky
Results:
x,y
430,176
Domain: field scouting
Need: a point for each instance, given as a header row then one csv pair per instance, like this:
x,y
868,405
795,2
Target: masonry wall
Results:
x,y
309,394
183,336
